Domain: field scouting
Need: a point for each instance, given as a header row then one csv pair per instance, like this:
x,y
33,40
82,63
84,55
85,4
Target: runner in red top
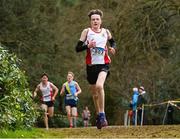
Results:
x,y
94,41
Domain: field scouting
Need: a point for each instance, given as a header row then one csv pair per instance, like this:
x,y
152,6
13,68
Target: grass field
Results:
x,y
92,132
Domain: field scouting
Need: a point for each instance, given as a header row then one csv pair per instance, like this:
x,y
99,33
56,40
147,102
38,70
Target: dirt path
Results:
x,y
116,132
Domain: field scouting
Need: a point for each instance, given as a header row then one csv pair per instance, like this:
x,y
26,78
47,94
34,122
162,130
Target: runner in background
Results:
x,y
86,116
71,89
48,91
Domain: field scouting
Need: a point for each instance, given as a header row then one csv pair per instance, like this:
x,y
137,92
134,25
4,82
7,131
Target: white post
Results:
x,y
165,113
125,118
129,119
136,118
142,115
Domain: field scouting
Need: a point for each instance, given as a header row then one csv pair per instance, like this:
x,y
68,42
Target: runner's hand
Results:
x,y
53,98
91,44
112,50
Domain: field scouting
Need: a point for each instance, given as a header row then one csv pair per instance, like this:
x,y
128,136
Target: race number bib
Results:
x,y
70,96
98,51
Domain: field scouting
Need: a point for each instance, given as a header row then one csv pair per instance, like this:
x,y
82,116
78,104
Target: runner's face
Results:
x,y
96,21
69,77
44,79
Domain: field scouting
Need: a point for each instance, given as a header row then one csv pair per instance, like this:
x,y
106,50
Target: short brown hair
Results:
x,y
95,11
44,74
70,72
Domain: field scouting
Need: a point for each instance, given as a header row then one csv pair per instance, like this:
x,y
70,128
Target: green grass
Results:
x,y
33,133
166,131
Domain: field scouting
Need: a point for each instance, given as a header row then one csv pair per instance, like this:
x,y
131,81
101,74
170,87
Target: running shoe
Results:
x,y
101,121
98,123
70,126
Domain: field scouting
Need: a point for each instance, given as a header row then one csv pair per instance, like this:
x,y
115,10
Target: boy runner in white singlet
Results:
x,y
86,116
94,40
48,91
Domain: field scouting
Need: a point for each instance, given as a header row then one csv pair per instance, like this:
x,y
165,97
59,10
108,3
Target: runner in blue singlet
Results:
x,y
71,89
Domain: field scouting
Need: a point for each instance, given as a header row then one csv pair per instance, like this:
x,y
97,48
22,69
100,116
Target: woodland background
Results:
x,y
44,33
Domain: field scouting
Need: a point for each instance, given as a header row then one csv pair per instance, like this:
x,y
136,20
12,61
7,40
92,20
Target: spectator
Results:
x,y
134,103
141,101
130,112
170,111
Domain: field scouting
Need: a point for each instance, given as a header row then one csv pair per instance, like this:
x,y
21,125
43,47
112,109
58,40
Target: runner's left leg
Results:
x,y
101,98
50,115
45,107
74,116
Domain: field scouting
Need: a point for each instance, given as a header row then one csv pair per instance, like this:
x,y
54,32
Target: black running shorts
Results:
x,y
94,70
71,103
49,103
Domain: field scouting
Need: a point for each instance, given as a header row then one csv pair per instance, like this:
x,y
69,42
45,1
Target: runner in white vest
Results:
x,y
48,92
94,41
86,116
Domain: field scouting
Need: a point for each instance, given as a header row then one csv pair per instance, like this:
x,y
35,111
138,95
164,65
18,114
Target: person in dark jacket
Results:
x,y
170,111
140,102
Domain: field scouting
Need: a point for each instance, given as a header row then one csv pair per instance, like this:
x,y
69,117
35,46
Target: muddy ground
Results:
x,y
116,132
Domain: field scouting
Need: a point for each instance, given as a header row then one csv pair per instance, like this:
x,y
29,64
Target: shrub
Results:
x,y
17,109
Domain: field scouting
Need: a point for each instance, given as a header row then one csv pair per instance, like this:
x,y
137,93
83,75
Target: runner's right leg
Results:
x,y
95,96
68,110
100,89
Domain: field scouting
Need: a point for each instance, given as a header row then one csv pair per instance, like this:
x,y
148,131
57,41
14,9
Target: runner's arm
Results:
x,y
62,90
82,114
80,45
89,113
111,42
35,91
78,89
55,91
